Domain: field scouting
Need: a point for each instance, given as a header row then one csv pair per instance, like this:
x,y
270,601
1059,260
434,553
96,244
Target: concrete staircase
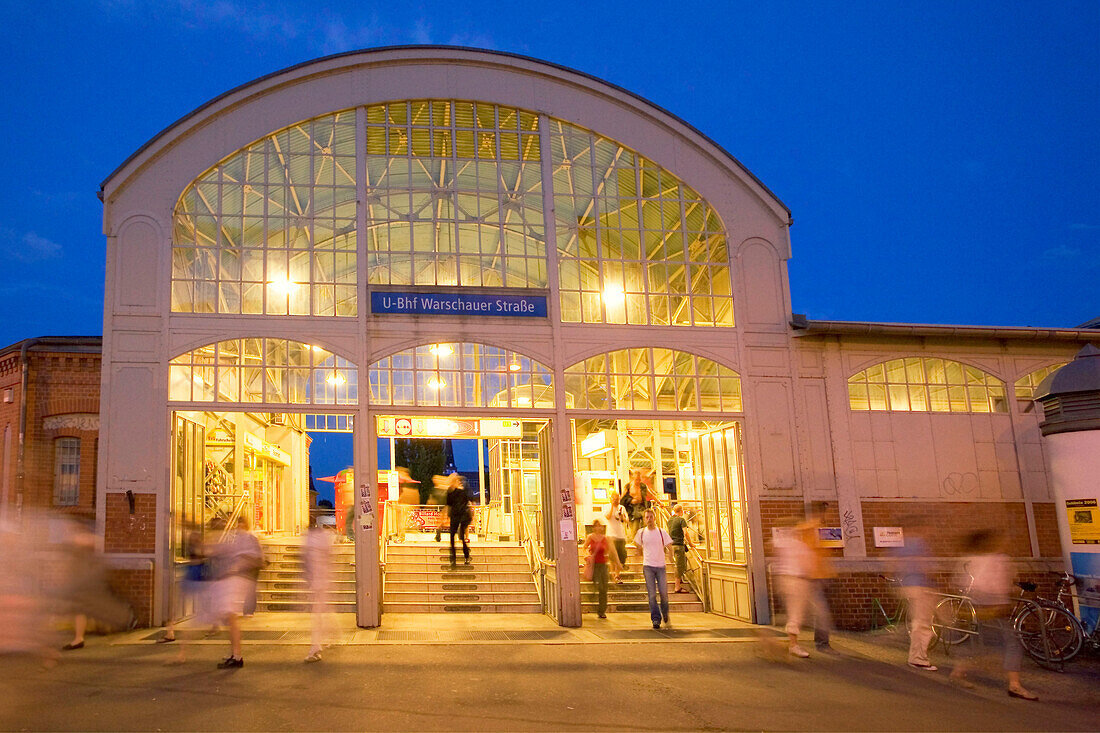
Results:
x,y
630,595
419,579
282,583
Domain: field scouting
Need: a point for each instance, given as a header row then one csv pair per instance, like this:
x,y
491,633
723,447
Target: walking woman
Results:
x,y
600,555
617,519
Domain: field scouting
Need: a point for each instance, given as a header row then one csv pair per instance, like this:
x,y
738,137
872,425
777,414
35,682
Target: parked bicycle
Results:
x,y
1046,629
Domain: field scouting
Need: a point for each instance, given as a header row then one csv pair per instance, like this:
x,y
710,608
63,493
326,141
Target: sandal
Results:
x,y
166,640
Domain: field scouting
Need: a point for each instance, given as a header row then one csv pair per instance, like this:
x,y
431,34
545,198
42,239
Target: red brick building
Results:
x,y
49,424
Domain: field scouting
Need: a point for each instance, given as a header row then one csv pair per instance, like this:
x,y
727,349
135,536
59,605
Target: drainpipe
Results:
x,y
24,366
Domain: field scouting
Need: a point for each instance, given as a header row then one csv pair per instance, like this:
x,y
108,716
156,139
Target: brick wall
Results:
x,y
135,585
130,534
949,522
1046,529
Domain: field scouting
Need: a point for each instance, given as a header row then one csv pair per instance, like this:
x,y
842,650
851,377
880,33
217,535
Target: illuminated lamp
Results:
x,y
595,444
523,401
614,295
283,285
336,378
441,350
436,383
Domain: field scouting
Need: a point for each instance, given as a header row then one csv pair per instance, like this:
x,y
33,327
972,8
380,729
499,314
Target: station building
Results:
x,y
426,243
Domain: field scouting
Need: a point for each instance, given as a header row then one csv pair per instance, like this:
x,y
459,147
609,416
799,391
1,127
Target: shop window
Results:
x,y
454,195
635,243
923,384
271,229
461,375
653,379
66,471
263,370
1025,385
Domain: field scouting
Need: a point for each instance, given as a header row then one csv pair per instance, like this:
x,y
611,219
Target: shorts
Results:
x,y
680,553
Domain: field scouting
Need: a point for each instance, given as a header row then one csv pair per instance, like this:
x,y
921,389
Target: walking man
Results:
x,y
653,540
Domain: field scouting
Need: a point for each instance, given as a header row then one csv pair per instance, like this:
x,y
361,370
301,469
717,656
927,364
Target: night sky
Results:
x,y
941,160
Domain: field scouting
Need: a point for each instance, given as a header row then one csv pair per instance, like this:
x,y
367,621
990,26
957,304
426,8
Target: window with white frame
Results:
x,y
66,472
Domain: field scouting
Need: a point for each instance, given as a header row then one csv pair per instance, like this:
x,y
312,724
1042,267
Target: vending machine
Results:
x,y
593,494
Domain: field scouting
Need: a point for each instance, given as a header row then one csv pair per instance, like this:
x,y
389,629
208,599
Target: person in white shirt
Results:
x,y
617,519
653,540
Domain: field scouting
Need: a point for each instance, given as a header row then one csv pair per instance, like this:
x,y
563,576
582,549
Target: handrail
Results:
x,y
231,523
535,559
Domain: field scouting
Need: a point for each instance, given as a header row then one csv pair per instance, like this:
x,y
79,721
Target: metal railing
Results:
x,y
536,561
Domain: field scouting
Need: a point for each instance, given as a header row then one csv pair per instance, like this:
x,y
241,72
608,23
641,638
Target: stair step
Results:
x,y
462,608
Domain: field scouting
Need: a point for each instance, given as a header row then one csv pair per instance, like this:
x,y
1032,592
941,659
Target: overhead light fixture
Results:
x,y
441,349
614,295
436,383
283,285
523,401
336,378
514,366
595,444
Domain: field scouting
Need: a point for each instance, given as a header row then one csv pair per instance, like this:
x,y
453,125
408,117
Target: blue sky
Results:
x,y
941,160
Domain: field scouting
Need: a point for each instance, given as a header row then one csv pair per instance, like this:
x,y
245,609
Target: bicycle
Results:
x,y
1046,630
878,611
1068,633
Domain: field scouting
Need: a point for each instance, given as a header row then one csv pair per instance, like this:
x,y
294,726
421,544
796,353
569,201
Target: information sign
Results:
x,y
457,304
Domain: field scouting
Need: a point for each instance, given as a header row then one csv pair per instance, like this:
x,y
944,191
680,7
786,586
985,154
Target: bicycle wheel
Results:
x,y
1065,636
954,621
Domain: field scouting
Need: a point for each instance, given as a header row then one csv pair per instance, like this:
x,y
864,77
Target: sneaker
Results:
x,y
231,663
925,667
797,651
656,626
313,657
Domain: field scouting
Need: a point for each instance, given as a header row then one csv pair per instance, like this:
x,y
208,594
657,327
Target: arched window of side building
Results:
x,y
926,384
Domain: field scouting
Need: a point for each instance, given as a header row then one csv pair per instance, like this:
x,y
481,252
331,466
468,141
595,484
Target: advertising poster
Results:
x,y
1084,521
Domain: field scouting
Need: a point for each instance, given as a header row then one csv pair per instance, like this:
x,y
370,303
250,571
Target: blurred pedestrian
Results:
x,y
85,582
461,514
24,609
916,588
992,573
652,540
802,568
239,557
617,519
193,587
408,498
678,531
437,496
317,557
601,555
636,498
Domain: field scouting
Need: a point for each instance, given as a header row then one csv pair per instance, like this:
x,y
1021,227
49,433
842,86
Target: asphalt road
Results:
x,y
654,686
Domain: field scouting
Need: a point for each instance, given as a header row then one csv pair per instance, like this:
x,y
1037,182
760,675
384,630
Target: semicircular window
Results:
x,y
925,384
271,371
1025,385
461,375
635,243
653,379
271,229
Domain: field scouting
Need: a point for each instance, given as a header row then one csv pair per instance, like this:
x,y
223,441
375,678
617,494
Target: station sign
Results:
x,y
392,426
457,304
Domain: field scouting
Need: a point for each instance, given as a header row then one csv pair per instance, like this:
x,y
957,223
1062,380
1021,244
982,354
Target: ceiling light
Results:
x,y
441,349
514,366
614,295
336,379
283,285
523,401
436,383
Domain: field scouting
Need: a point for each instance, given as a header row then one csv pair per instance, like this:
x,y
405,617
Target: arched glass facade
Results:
x,y
653,379
453,196
923,384
271,229
263,370
461,375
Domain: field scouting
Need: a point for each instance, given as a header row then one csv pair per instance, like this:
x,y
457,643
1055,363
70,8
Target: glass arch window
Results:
x,y
924,384
653,379
263,370
271,229
461,375
1025,385
454,195
636,244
